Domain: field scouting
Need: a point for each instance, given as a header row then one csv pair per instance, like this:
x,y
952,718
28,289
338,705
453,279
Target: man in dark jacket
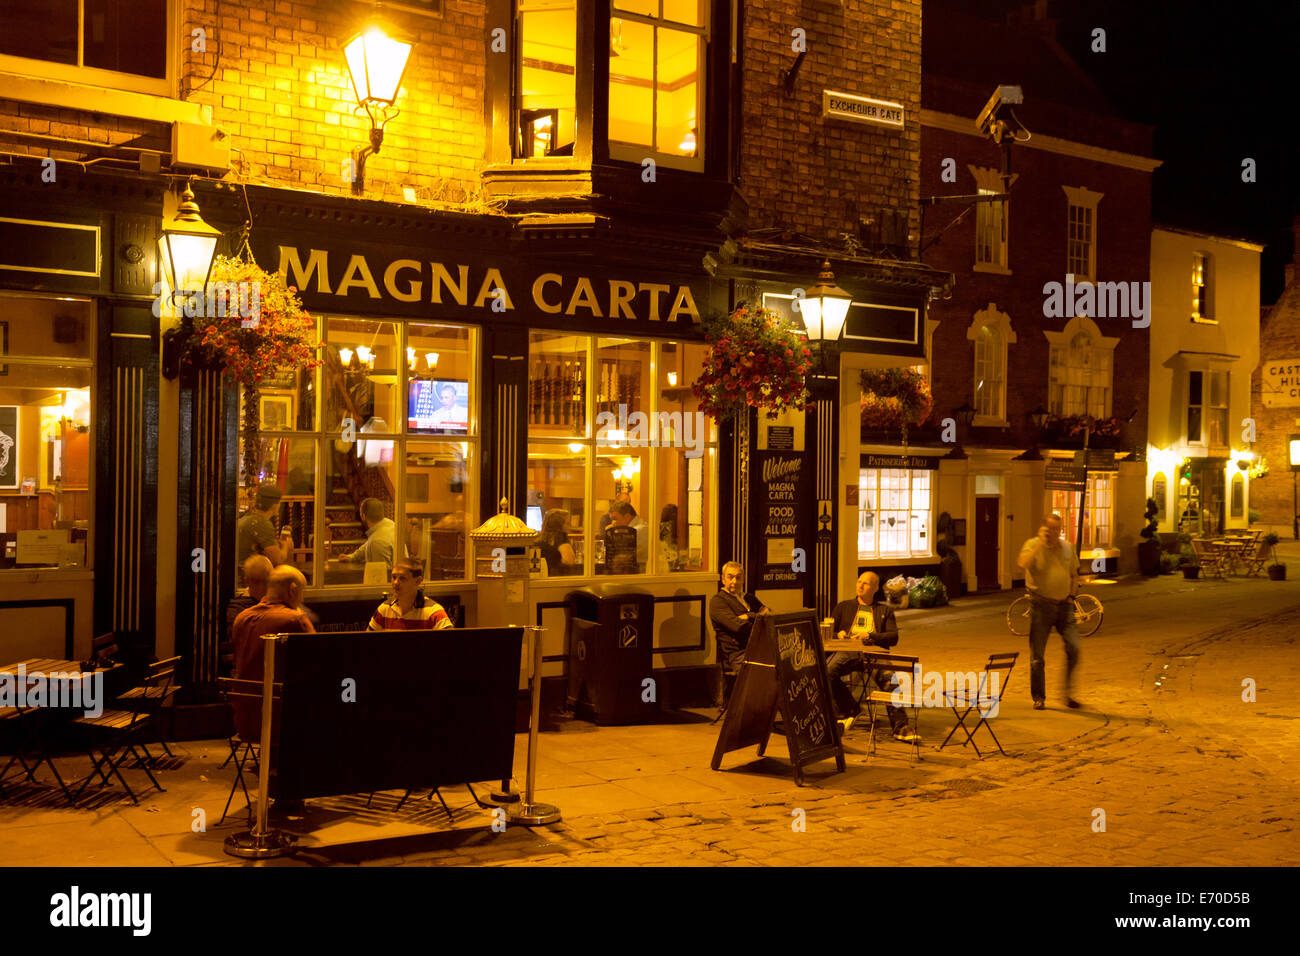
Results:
x,y
865,618
732,613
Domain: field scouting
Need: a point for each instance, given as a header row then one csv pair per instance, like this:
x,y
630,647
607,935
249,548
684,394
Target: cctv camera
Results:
x,y
988,123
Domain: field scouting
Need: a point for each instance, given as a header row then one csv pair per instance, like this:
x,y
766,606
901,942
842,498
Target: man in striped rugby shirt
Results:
x,y
409,609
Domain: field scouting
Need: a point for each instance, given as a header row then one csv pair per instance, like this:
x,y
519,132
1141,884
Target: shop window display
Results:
x,y
46,432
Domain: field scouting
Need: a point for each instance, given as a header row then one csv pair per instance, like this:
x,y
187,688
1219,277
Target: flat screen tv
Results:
x,y
439,407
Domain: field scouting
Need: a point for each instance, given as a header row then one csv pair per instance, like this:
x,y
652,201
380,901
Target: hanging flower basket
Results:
x,y
756,358
259,324
1074,426
894,398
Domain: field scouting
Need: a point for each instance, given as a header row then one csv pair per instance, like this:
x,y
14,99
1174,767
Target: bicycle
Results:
x,y
1087,615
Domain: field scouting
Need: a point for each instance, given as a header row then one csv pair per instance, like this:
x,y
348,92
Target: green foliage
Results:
x,y
1153,525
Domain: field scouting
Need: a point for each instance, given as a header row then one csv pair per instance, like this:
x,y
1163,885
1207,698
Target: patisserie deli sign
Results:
x,y
327,278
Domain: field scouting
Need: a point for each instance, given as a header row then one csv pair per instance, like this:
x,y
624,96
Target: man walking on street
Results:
x,y
1052,577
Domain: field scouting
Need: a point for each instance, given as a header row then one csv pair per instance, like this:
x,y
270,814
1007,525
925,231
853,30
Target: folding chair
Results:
x,y
18,726
986,700
245,753
1209,557
151,696
117,733
878,699
1252,561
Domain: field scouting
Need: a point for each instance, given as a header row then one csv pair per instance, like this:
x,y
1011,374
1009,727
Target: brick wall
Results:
x,y
868,47
1037,237
1279,338
279,84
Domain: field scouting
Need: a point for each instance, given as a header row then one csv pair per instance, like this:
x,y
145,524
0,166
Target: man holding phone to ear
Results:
x,y
1052,578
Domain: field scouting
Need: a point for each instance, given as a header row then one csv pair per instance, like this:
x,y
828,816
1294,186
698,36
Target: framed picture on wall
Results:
x,y
276,412
9,447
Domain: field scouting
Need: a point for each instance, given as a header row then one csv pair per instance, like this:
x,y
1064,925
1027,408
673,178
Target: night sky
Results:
x,y
1218,81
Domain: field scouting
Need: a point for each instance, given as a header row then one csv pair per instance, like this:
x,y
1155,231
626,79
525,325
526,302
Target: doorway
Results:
x,y
986,543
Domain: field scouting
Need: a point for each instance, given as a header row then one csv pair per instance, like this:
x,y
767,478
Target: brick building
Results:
x,y
510,244
1001,352
1275,402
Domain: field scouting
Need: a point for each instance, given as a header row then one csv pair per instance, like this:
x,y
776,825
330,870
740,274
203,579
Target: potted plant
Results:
x,y
1187,557
1169,563
1149,549
1276,570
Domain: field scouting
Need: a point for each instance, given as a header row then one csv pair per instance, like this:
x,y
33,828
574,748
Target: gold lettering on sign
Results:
x,y
390,281
620,296
584,297
492,281
654,289
358,273
317,265
685,303
459,290
538,298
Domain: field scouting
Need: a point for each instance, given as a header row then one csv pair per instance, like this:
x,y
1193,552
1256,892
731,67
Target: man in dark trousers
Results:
x,y
864,617
732,613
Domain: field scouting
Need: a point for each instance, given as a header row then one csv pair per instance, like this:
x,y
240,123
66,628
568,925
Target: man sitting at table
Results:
x,y
279,612
409,609
732,613
865,618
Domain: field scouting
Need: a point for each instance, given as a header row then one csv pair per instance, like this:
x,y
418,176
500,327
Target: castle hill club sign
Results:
x,y
473,289
861,109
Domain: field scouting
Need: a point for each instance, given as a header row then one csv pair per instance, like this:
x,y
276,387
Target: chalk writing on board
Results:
x,y
805,685
791,647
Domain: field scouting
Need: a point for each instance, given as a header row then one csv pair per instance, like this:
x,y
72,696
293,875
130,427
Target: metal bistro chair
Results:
x,y
245,753
116,734
878,699
152,695
18,727
985,701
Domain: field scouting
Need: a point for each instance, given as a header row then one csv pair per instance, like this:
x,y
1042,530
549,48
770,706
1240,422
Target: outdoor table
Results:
x,y
1232,550
45,666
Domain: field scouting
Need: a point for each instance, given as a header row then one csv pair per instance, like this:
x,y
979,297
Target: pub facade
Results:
x,y
520,263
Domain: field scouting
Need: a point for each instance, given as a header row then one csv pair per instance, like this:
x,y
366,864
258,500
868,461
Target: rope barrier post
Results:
x,y
528,813
262,842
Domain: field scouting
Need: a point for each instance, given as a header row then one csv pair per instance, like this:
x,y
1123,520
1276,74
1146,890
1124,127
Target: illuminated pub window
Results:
x,y
46,404
1099,513
547,47
656,81
121,44
1201,287
1238,505
612,421
894,516
1160,492
373,455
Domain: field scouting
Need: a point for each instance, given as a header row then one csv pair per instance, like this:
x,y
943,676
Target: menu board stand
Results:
x,y
784,669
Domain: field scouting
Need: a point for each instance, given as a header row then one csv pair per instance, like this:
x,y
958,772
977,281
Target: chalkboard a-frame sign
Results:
x,y
785,669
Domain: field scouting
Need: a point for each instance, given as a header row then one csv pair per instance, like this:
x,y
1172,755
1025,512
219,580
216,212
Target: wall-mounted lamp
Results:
x,y
376,64
964,414
345,357
1039,417
187,247
431,360
825,307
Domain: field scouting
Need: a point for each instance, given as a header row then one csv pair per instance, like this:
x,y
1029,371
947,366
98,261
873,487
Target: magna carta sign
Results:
x,y
861,109
472,288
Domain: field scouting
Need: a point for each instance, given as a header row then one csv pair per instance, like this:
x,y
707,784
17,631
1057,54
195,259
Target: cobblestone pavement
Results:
x,y
1184,771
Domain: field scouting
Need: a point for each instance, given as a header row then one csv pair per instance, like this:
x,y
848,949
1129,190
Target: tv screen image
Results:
x,y
439,407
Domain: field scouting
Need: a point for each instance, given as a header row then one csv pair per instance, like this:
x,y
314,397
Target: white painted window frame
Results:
x,y
1000,321
1081,197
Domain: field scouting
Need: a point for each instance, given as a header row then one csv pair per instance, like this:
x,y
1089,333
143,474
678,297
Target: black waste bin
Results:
x,y
610,636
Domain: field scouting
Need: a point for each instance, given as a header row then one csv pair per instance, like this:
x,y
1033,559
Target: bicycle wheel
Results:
x,y
1087,614
1018,615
